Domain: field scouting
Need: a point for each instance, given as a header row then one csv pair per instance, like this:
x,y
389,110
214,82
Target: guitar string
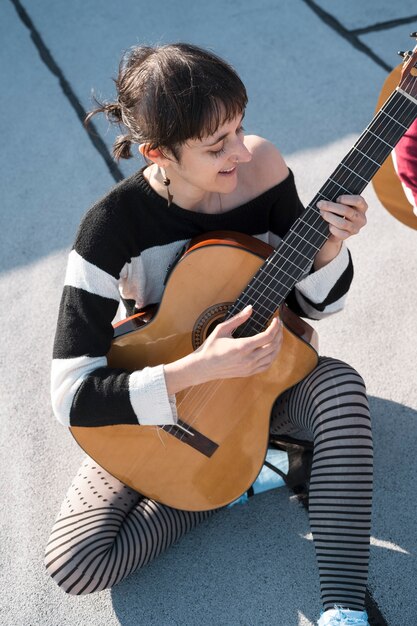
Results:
x,y
338,184
211,387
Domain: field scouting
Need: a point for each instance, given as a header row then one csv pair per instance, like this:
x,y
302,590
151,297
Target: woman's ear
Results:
x,y
155,155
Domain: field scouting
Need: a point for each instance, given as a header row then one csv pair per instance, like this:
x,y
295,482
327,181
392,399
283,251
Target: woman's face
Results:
x,y
210,164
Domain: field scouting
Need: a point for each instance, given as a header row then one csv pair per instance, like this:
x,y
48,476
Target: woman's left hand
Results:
x,y
345,217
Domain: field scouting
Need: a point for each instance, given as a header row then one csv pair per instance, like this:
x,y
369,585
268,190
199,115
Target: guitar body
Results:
x,y
386,183
217,451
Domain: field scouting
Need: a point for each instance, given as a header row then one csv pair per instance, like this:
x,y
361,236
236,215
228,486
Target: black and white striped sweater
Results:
x,y
123,248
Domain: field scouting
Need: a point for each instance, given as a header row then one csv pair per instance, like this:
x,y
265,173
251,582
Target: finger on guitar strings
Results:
x,y
269,351
354,201
266,336
343,220
350,207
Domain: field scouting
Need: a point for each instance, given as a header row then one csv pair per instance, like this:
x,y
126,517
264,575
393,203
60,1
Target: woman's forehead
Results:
x,y
213,136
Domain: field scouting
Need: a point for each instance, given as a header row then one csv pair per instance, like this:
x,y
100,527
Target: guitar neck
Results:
x,y
294,256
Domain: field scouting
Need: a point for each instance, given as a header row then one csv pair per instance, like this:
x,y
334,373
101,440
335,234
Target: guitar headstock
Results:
x,y
408,82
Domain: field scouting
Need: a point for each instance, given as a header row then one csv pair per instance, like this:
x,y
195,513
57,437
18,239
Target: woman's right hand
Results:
x,y
224,356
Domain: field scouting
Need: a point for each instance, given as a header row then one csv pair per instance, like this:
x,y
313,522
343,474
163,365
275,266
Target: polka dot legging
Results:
x,y
105,530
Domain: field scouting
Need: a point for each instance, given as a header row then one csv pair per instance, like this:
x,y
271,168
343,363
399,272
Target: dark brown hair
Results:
x,y
169,94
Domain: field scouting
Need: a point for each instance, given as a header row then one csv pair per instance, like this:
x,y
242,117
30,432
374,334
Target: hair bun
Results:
x,y
113,112
122,147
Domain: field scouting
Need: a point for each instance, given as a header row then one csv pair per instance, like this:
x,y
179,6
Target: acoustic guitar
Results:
x,y
217,448
386,182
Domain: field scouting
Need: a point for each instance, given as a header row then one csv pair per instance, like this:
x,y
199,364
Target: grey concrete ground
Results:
x,y
313,71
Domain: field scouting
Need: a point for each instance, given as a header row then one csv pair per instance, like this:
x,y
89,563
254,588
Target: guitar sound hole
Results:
x,y
213,325
208,321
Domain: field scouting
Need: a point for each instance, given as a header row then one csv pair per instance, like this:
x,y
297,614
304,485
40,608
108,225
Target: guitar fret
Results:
x,y
259,307
298,256
269,310
398,107
273,266
312,228
253,288
284,275
273,296
356,178
313,221
269,292
407,95
402,97
352,183
394,120
300,247
298,252
390,134
295,234
252,293
367,156
397,129
288,277
283,280
261,318
369,145
353,172
380,139
280,261
339,185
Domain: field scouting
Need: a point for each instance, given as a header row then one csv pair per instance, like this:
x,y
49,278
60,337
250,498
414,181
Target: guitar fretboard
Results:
x,y
294,256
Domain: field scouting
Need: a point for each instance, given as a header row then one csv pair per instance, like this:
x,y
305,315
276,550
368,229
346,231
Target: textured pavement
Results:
x,y
313,71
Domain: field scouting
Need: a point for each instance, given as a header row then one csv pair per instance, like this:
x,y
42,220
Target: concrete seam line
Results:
x,y
331,21
384,25
69,93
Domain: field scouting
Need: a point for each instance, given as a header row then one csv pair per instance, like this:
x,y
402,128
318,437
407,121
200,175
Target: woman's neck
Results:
x,y
189,198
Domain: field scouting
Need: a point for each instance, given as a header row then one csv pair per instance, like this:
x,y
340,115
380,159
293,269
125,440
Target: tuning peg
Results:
x,y
405,55
414,35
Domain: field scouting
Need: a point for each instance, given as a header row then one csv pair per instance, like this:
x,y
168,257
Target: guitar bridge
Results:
x,y
192,437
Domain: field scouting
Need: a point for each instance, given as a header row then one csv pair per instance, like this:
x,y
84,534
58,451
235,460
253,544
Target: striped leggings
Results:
x,y
105,530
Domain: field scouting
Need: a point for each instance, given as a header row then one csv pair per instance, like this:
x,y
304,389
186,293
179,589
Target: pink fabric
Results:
x,y
405,161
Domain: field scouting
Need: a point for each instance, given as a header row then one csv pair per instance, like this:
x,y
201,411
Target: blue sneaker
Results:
x,y
343,617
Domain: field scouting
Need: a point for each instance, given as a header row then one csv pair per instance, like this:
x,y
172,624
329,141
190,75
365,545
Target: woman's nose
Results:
x,y
241,154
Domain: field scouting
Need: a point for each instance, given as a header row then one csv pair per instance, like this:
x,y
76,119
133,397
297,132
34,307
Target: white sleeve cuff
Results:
x,y
316,286
149,397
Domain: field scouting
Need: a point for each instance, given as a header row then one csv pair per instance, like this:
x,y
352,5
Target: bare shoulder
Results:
x,y
267,167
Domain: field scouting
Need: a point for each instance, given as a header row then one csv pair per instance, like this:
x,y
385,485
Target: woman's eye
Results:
x,y
222,150
217,153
